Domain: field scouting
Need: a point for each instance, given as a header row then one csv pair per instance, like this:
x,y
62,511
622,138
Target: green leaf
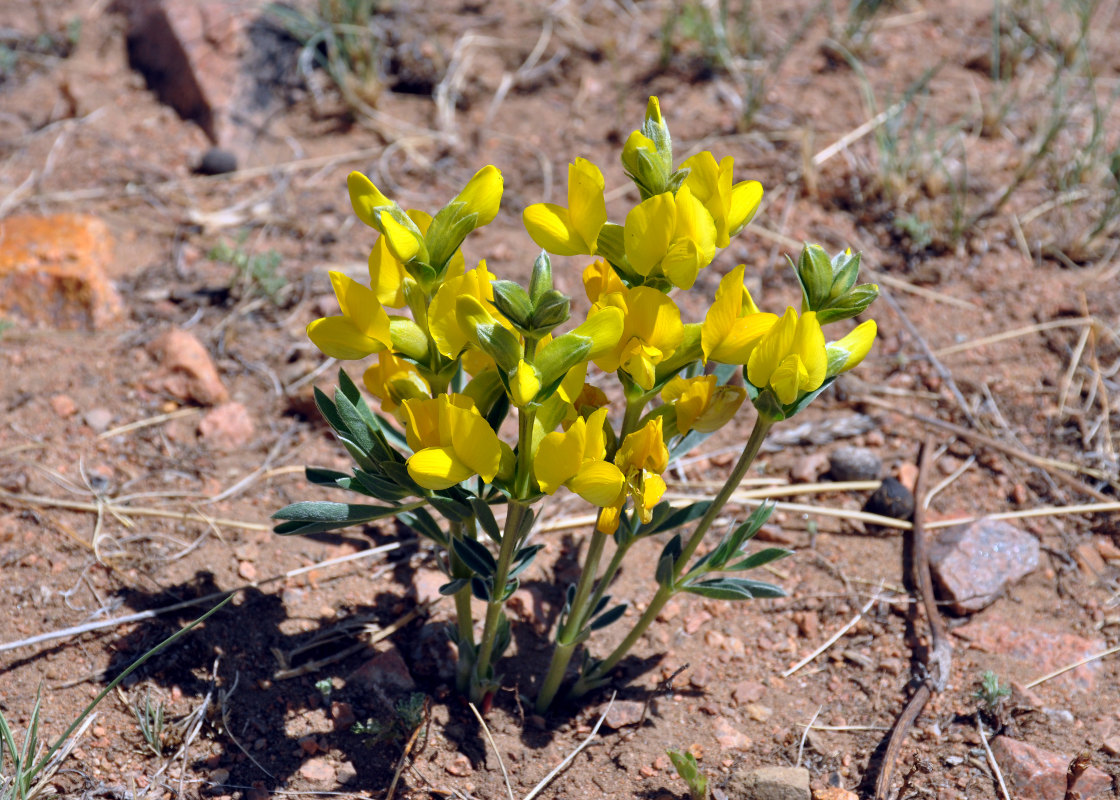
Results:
x,y
480,588
397,472
728,588
358,431
380,488
764,556
502,637
500,344
747,530
324,477
523,558
485,516
329,412
424,524
476,556
318,517
557,357
451,509
665,572
452,587
674,520
607,617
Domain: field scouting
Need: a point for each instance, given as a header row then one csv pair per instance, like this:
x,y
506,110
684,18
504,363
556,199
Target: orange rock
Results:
x,y
189,372
53,271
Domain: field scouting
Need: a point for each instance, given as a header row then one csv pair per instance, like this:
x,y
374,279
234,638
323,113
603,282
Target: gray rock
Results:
x,y
854,464
891,499
972,564
769,783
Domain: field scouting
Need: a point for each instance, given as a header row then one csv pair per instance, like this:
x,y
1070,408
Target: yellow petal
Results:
x,y
856,345
366,199
597,482
587,206
337,337
421,422
550,226
788,378
652,489
655,318
603,328
475,442
808,344
745,200
483,195
722,405
648,231
558,457
438,468
524,384
386,275
772,349
402,242
599,278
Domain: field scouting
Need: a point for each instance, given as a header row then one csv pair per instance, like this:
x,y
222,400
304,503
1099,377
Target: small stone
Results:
x,y
1039,650
696,620
309,745
770,783
1111,746
972,564
63,405
891,499
53,271
747,692
219,776
759,713
808,623
426,583
460,767
854,464
908,477
834,793
1090,560
669,612
1036,774
730,738
809,468
317,770
247,570
343,715
346,772
772,534
217,161
385,670
98,419
227,427
624,713
189,372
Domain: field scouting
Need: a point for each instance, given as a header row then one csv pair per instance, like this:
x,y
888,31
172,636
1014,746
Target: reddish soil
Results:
x,y
81,133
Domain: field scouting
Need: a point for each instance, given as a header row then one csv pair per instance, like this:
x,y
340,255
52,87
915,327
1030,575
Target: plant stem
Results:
x,y
587,682
581,609
464,619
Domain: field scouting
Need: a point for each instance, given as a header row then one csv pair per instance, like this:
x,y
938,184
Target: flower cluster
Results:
x,y
458,351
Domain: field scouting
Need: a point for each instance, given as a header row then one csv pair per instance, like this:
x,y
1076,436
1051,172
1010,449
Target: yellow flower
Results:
x,y
393,380
731,207
670,235
450,441
366,199
651,332
448,331
733,326
571,231
361,329
641,459
700,404
482,195
850,350
791,358
599,278
387,274
524,384
574,459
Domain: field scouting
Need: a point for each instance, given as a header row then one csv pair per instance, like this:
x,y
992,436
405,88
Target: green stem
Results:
x,y
581,609
762,426
464,619
608,576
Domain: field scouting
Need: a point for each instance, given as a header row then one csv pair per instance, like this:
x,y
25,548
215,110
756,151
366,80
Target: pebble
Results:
x,y
227,427
854,464
188,371
460,767
747,692
216,161
1036,774
891,499
385,670
730,738
1111,746
769,783
624,713
834,793
908,475
63,405
1041,651
346,772
973,564
317,770
98,419
759,713
809,468
219,776
696,620
343,715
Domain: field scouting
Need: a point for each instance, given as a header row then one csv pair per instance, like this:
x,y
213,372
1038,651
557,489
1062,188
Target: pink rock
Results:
x,y
1041,651
386,670
729,737
63,405
809,468
317,770
227,427
343,715
1036,774
623,713
973,563
188,372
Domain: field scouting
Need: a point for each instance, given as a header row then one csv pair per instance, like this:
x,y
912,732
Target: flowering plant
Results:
x,y
458,352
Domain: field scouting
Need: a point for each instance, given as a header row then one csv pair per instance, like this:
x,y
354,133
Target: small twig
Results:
x,y
144,423
223,705
941,649
1072,666
805,734
568,760
836,636
489,738
1078,322
992,759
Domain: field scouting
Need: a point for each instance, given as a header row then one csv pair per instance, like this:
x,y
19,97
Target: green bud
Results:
x,y
851,304
560,355
513,302
541,281
500,344
408,338
845,270
552,308
814,273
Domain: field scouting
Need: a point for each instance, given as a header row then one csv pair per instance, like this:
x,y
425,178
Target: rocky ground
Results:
x,y
172,194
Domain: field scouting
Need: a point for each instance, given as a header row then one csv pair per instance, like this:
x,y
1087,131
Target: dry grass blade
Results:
x,y
145,423
494,747
568,759
1073,666
834,637
992,760
1054,324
